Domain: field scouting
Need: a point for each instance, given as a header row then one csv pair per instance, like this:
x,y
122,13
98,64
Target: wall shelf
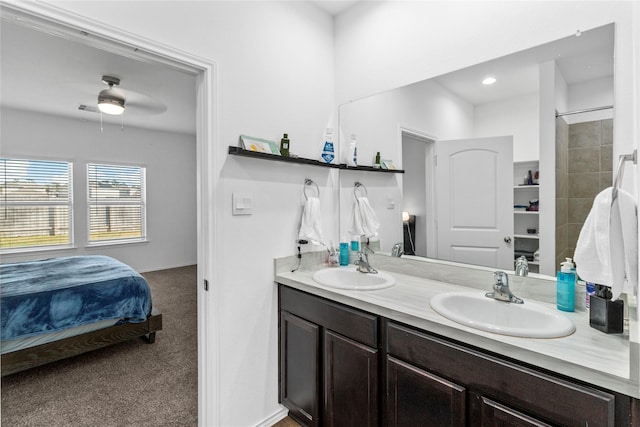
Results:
x,y
237,151
370,169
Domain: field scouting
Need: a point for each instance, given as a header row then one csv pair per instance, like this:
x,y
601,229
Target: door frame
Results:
x,y
106,37
431,224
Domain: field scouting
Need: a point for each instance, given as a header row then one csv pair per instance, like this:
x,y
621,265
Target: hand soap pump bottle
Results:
x,y
328,153
566,286
352,155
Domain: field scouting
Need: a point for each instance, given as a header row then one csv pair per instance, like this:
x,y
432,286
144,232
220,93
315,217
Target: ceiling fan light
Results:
x,y
489,81
110,103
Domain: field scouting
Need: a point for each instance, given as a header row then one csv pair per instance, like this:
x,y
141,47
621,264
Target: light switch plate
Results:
x,y
242,204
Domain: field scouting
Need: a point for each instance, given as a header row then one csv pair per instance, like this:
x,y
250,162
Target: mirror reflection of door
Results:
x,y
474,201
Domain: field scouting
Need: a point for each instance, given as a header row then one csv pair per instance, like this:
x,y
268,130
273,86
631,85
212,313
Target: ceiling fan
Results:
x,y
114,100
110,101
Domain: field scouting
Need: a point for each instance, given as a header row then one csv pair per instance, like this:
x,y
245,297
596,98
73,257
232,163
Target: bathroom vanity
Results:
x,y
368,358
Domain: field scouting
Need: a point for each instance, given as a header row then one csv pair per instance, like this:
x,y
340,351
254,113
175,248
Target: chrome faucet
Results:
x,y
522,266
363,264
501,290
397,250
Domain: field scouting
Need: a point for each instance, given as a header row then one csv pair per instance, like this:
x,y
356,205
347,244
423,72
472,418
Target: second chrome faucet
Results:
x,y
501,290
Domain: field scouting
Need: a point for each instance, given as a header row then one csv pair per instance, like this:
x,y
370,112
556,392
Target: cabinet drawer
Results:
x,y
544,396
352,323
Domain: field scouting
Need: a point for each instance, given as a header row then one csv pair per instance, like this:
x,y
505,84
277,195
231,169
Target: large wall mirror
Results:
x,y
483,183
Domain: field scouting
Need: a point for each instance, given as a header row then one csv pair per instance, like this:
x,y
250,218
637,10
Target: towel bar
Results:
x,y
616,182
357,185
307,183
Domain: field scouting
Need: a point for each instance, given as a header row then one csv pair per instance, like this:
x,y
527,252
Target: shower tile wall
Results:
x,y
562,193
589,164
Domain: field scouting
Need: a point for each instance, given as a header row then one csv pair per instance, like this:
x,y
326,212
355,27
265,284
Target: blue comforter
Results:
x,y
50,295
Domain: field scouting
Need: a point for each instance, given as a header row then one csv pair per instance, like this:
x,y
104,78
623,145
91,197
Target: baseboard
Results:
x,y
277,416
166,267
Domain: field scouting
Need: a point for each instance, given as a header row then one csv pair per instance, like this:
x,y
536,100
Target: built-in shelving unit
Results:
x,y
237,151
525,242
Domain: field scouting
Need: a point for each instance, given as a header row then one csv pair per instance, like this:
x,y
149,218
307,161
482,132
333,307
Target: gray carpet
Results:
x,y
127,384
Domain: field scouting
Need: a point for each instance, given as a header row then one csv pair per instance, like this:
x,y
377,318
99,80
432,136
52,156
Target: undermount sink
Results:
x,y
529,320
350,278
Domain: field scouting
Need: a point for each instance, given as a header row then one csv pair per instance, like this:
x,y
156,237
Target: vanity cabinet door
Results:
x,y
350,382
416,397
487,413
300,368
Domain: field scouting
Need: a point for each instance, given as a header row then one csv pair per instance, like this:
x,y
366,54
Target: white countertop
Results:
x,y
587,355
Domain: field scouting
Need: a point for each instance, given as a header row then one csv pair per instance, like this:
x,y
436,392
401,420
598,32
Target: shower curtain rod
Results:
x,y
586,110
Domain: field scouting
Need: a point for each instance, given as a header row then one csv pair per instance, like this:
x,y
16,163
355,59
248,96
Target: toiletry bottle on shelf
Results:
x,y
566,286
328,153
344,251
376,164
352,154
284,145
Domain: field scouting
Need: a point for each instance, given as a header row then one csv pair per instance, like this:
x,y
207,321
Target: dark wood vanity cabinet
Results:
x,y
344,367
461,382
328,361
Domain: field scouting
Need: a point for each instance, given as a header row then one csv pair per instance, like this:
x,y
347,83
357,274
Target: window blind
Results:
x,y
35,202
116,202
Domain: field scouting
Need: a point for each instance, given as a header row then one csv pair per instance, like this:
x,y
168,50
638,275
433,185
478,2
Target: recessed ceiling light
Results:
x,y
489,81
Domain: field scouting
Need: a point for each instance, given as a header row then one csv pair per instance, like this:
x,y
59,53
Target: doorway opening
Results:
x,y
418,196
57,22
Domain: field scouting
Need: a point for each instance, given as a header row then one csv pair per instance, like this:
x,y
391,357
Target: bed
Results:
x,y
57,308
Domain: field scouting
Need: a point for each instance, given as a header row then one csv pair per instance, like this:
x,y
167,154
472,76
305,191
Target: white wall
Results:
x,y
171,197
594,93
517,116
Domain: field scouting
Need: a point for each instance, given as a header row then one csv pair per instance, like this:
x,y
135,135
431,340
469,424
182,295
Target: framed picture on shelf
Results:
x,y
259,145
387,164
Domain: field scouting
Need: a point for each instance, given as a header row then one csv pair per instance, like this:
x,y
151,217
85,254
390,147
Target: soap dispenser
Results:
x,y
328,153
566,286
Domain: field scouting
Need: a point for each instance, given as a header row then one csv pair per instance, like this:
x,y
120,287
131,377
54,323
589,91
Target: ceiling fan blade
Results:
x,y
134,101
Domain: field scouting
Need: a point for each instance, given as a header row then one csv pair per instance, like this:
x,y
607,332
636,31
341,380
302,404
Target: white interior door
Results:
x,y
474,182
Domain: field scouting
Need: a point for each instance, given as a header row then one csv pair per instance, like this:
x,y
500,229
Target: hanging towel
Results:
x,y
607,248
310,222
364,221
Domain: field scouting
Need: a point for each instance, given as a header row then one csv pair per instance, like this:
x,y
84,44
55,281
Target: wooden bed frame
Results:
x,y
27,358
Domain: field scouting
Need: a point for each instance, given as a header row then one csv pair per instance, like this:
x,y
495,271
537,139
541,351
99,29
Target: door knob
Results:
x,y
507,239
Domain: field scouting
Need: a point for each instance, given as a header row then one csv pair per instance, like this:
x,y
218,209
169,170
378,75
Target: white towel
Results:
x,y
310,222
607,248
364,221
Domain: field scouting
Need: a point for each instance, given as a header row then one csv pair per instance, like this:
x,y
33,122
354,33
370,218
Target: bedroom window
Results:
x,y
117,211
36,204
